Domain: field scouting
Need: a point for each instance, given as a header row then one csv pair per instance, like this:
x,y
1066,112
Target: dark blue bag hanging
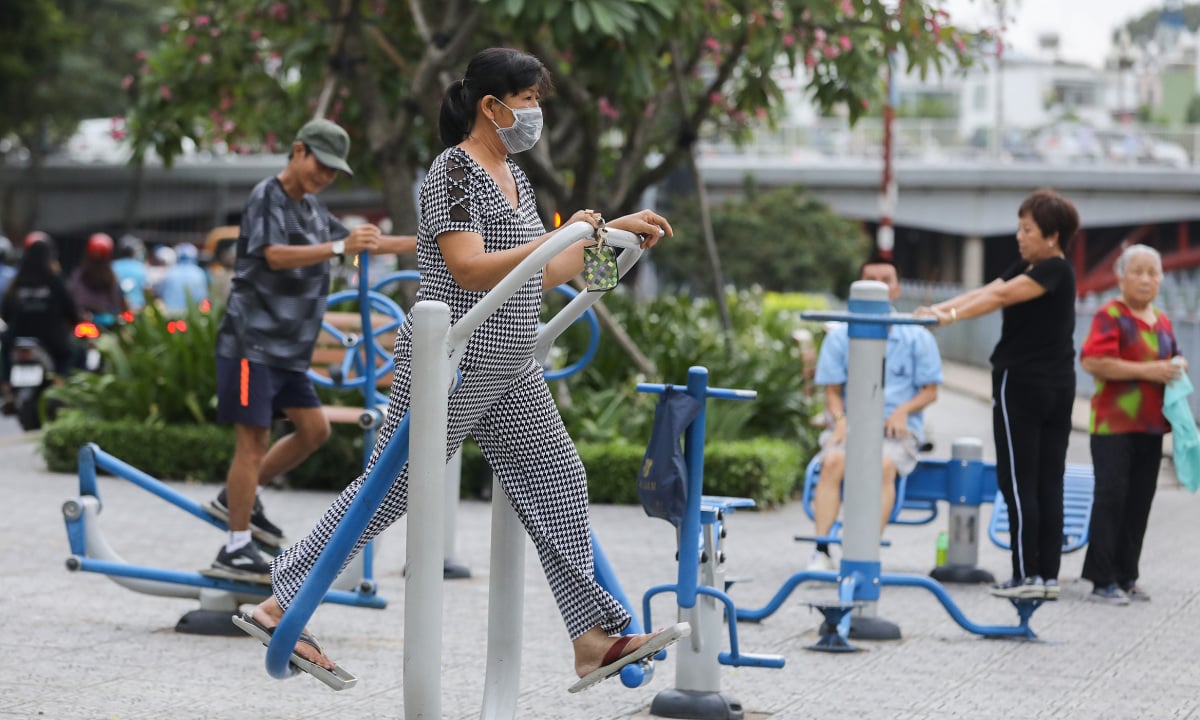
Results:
x,y
663,479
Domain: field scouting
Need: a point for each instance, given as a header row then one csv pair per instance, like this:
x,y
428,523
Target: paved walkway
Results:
x,y
77,646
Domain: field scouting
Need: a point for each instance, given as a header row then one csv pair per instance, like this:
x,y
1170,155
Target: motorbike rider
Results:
x,y
94,285
7,272
38,305
130,269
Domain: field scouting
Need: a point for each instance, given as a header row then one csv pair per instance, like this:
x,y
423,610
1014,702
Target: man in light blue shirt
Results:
x,y
185,283
914,371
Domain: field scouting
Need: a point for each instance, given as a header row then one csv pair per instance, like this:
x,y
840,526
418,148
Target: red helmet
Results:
x,y
36,236
100,247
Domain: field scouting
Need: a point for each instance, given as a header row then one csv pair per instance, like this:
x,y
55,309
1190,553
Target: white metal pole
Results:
x,y
426,470
864,434
506,606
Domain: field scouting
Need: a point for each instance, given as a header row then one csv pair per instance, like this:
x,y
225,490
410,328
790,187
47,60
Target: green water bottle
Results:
x,y
943,544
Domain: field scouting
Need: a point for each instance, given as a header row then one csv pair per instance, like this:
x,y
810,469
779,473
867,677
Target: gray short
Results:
x,y
902,451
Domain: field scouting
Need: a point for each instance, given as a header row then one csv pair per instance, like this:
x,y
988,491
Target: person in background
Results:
x,y
130,269
7,272
287,242
94,285
162,257
1132,353
185,284
914,371
37,304
1033,386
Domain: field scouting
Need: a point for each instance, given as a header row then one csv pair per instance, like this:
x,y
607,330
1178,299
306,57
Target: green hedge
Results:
x,y
766,470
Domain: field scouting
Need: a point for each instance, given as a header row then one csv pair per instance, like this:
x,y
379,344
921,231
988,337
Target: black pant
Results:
x,y
1126,467
1031,422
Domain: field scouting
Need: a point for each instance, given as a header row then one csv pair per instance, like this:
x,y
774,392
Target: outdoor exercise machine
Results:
x,y
219,597
859,579
700,585
437,349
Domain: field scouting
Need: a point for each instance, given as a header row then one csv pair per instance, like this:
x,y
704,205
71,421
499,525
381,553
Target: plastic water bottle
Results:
x,y
943,544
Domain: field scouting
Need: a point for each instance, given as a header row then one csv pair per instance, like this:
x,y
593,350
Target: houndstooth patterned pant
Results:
x,y
517,426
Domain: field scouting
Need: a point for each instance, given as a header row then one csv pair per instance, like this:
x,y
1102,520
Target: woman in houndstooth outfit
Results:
x,y
479,219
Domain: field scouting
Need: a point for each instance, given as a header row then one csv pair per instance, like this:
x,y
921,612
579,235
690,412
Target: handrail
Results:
x,y
567,236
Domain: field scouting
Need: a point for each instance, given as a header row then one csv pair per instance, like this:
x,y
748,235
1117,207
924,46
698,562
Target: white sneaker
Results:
x,y
820,561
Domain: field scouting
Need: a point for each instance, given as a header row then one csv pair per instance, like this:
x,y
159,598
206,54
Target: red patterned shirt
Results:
x,y
1128,406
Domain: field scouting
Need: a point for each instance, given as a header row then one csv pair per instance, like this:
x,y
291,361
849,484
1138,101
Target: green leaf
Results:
x,y
581,16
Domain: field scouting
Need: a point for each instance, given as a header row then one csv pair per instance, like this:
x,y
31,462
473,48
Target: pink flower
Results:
x,y
228,127
777,13
714,98
190,40
844,41
215,117
847,7
607,109
831,51
712,44
279,11
789,40
215,32
117,133
809,60
865,105
202,20
819,35
126,82
205,59
226,103
140,56
164,92
255,35
164,28
760,113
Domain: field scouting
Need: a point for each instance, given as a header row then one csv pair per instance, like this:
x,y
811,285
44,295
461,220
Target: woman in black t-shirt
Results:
x,y
1033,386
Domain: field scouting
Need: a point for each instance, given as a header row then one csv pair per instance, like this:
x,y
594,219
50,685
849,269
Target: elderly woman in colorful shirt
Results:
x,y
1132,352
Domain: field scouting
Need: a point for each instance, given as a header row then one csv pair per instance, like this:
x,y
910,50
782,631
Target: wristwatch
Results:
x,y
339,247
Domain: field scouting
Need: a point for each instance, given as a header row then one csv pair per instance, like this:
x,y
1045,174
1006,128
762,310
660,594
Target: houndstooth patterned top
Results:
x,y
459,195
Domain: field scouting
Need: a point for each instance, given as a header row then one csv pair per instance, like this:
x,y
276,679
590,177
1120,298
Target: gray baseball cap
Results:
x,y
329,142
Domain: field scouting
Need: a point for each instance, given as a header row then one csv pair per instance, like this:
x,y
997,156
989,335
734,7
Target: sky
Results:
x,y
1084,26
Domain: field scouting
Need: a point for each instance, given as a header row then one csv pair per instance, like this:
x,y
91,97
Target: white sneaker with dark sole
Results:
x,y
1030,588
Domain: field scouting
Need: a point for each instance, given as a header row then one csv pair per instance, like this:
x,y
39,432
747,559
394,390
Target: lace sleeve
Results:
x,y
451,204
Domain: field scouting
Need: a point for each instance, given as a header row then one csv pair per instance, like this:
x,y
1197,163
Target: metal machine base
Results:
x,y
696,704
962,574
452,570
830,640
208,622
873,628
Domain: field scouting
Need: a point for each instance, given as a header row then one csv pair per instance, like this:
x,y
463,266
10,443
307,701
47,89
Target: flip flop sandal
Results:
x,y
613,660
338,678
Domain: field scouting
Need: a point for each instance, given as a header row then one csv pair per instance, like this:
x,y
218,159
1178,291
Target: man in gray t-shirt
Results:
x,y
265,341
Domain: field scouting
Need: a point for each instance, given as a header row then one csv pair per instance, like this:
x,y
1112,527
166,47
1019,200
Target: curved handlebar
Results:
x,y
567,236
867,318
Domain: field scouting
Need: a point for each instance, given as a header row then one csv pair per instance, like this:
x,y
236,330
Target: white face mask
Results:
x,y
525,130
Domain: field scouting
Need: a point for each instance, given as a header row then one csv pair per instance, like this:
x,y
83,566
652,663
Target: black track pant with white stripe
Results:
x,y
1031,422
517,426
